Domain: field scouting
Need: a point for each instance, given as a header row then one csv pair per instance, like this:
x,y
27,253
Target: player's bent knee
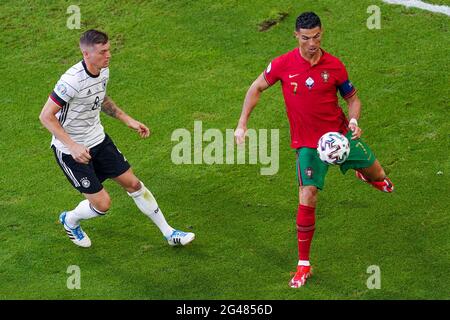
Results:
x,y
375,172
381,174
102,207
309,192
105,204
135,186
129,182
102,204
308,196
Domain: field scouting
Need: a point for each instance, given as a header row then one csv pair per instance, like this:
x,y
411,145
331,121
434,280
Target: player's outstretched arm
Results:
x,y
111,109
48,119
354,111
250,102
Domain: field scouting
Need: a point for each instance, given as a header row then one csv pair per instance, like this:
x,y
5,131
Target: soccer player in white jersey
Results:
x,y
87,155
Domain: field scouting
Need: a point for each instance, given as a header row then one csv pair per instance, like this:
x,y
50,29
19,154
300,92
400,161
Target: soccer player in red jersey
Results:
x,y
310,79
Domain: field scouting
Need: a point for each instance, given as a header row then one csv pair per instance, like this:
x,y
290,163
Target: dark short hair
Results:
x,y
307,20
92,37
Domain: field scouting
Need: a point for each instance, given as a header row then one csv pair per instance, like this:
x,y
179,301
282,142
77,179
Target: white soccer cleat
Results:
x,y
180,238
77,235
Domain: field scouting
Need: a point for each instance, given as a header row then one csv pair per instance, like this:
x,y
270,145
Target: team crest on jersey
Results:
x,y
309,82
61,88
104,83
325,76
269,67
85,182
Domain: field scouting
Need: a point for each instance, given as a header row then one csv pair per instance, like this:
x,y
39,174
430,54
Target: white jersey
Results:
x,y
80,95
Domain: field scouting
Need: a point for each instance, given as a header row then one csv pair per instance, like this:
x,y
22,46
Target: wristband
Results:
x,y
353,121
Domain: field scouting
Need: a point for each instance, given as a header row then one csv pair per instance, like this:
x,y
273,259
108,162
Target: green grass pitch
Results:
x,y
175,62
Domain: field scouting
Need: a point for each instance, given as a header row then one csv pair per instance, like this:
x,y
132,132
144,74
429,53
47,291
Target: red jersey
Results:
x,y
310,94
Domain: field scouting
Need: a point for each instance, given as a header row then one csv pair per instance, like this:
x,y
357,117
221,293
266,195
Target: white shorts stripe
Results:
x,y
67,169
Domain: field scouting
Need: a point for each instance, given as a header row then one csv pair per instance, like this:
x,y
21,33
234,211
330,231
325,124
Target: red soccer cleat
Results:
x,y
385,185
299,279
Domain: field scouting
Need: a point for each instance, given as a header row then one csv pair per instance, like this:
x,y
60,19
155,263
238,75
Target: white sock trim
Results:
x,y
100,213
303,263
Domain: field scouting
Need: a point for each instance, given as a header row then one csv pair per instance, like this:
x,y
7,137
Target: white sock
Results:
x,y
146,202
303,263
83,211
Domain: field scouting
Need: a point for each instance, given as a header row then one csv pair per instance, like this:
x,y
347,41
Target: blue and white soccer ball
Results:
x,y
333,148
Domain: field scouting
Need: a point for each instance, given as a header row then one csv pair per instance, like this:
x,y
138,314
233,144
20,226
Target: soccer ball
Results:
x,y
333,148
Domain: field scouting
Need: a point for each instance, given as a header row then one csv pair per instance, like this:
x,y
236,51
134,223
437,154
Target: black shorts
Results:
x,y
106,162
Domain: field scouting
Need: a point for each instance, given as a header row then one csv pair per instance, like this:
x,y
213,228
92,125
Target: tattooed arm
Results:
x,y
111,109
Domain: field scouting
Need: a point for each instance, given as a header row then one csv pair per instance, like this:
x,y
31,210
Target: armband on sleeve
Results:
x,y
346,89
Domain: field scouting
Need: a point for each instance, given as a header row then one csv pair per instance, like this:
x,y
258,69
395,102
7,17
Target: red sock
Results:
x,y
306,219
